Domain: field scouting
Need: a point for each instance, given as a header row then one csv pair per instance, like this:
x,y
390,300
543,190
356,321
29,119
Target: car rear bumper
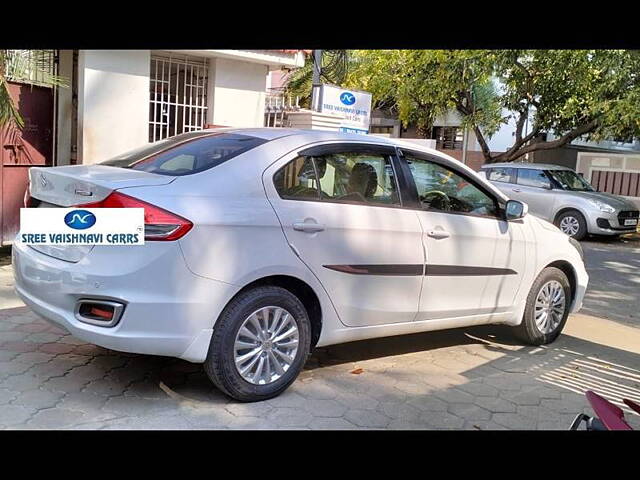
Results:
x,y
582,280
168,310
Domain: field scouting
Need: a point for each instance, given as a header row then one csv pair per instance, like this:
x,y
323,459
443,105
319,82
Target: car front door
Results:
x,y
342,214
475,259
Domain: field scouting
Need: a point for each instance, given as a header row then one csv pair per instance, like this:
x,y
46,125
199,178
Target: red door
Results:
x,y
21,149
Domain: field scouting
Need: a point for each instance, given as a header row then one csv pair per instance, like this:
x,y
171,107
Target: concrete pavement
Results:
x,y
475,378
614,279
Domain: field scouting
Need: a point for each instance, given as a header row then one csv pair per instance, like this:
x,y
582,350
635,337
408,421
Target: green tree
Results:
x,y
594,94
334,69
22,66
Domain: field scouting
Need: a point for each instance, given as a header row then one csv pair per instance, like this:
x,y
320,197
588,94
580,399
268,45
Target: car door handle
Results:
x,y
517,190
309,227
438,234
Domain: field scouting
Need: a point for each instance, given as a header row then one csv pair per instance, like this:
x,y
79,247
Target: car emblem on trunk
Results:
x,y
43,181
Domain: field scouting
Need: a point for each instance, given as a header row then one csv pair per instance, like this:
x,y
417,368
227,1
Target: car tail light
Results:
x,y
159,224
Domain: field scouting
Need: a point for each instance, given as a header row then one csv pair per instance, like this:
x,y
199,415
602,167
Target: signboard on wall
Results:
x,y
353,105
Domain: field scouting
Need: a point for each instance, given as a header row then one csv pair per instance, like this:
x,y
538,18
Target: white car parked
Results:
x,y
263,243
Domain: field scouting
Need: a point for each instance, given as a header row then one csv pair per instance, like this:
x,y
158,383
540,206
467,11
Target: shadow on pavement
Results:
x,y
478,378
469,378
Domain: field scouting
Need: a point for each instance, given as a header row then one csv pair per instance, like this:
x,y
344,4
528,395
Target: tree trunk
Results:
x,y
512,155
486,152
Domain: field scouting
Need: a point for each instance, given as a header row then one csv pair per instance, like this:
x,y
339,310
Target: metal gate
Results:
x,y
22,149
616,182
178,96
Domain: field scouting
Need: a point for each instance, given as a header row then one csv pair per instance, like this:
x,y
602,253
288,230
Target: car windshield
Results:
x,y
570,180
186,154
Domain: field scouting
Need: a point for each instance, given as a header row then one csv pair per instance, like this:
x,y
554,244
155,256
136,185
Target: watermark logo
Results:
x,y
80,219
73,226
347,98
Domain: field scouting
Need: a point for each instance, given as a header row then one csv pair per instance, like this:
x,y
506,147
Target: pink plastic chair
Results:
x,y
610,415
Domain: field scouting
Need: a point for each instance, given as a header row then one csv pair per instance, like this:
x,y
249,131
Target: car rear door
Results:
x,y
341,212
475,260
504,179
534,188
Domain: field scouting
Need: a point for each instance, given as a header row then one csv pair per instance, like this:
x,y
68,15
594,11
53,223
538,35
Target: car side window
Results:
x,y
297,180
530,177
355,177
502,174
441,189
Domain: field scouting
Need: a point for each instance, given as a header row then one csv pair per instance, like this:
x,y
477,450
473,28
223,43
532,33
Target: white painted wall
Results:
x,y
237,93
423,142
450,119
499,142
113,102
505,137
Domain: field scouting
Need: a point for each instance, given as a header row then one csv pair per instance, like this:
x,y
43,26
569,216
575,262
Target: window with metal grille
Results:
x,y
448,138
178,96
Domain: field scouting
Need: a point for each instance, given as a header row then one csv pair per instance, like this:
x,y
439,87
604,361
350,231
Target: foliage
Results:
x,y
335,65
22,66
570,93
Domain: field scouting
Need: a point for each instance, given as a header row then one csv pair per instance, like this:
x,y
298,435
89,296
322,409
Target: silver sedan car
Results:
x,y
562,197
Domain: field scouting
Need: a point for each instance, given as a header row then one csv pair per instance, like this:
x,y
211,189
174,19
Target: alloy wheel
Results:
x,y
550,306
570,225
266,345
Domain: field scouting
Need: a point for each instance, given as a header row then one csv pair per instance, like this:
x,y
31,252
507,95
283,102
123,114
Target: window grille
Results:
x,y
178,96
448,138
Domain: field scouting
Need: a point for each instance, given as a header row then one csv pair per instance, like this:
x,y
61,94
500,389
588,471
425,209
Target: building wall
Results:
x,y
237,93
113,102
475,159
566,157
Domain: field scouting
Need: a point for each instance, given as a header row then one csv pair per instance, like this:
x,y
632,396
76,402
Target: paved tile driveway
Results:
x,y
472,378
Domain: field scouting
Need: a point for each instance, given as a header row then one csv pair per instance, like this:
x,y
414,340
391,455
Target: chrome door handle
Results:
x,y
516,190
438,234
309,227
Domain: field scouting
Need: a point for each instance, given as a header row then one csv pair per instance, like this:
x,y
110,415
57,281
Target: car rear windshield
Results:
x,y
186,154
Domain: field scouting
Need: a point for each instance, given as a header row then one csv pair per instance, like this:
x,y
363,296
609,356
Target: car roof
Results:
x,y
272,133
292,138
533,166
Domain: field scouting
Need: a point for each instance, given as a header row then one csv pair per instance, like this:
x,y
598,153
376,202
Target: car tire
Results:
x,y
571,219
533,329
227,345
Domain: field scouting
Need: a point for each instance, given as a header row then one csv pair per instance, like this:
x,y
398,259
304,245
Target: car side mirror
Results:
x,y
515,209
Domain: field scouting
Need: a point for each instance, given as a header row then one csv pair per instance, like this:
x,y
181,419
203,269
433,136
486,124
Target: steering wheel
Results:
x,y
440,201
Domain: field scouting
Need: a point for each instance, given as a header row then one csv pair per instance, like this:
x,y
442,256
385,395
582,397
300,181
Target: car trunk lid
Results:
x,y
75,185
78,184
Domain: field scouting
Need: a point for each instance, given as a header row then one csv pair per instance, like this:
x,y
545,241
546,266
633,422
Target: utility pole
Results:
x,y
465,138
317,69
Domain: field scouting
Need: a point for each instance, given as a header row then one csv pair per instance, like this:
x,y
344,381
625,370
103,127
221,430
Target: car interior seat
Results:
x,y
363,183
